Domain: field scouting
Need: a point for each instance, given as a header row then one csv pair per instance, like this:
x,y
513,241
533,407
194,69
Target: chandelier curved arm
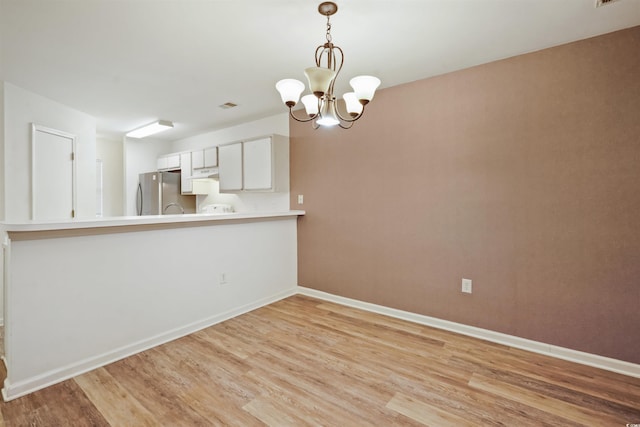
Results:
x,y
347,126
348,119
333,62
308,119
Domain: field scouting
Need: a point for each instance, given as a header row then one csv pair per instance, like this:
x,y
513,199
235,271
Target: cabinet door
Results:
x,y
186,185
211,157
197,159
173,161
258,170
168,162
162,163
230,167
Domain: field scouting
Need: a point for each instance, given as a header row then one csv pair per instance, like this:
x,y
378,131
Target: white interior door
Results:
x,y
53,174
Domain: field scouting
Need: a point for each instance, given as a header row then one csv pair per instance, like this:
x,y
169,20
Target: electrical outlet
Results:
x,y
466,286
222,279
300,199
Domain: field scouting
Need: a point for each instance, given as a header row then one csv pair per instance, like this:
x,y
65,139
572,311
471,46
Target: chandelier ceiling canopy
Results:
x,y
321,105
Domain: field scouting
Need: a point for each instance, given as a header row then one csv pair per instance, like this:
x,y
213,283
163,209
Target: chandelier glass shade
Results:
x,y
321,105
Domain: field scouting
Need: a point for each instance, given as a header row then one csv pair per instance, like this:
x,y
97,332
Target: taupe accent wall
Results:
x,y
522,175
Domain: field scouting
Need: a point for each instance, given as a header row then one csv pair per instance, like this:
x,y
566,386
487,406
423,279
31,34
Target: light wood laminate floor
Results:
x,y
303,361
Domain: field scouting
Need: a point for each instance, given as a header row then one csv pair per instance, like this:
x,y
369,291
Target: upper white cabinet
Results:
x,y
197,159
206,158
230,168
169,162
210,157
186,185
255,165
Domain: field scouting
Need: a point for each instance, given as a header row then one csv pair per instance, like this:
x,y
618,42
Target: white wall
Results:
x,y
2,149
111,152
21,109
278,124
139,156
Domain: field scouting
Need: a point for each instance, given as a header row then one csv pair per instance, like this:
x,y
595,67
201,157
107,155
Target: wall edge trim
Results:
x,y
589,359
12,391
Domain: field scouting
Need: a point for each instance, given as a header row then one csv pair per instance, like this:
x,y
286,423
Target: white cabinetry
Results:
x,y
210,157
230,168
169,162
186,185
197,159
207,158
257,164
260,164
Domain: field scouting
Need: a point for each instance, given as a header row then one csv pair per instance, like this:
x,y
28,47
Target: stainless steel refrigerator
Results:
x,y
159,194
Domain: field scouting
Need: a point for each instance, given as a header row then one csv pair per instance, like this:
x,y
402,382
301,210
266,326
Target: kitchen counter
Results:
x,y
39,229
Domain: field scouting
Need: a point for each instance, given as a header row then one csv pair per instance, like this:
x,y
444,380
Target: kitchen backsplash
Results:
x,y
243,202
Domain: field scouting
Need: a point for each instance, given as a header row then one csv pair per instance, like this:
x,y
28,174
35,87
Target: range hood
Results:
x,y
206,173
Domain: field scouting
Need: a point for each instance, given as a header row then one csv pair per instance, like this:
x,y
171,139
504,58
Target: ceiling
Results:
x,y
130,62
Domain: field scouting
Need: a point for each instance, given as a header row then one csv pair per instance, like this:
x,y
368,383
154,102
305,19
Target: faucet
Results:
x,y
173,204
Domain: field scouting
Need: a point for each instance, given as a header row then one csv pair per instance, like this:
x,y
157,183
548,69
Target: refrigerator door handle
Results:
x,y
139,199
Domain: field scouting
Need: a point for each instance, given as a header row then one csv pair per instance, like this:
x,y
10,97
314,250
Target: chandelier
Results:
x,y
321,106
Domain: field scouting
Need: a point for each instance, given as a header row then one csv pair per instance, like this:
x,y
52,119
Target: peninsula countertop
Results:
x,y
130,223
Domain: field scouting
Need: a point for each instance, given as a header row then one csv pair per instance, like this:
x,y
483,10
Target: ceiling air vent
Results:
x,y
604,2
227,105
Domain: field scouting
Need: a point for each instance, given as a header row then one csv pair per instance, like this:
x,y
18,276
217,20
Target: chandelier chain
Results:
x,y
328,29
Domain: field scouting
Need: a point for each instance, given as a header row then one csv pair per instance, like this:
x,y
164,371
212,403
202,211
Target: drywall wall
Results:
x,y
2,156
2,201
520,174
21,109
277,124
111,152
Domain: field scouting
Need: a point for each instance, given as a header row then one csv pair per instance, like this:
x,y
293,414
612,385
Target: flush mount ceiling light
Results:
x,y
321,107
150,129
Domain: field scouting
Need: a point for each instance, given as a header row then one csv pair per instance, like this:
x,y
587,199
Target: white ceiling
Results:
x,y
129,62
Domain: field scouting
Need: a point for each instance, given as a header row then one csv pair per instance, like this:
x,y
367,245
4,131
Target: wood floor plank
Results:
x,y
286,394
548,385
118,406
601,385
583,415
474,405
63,404
366,400
273,413
195,387
425,413
155,389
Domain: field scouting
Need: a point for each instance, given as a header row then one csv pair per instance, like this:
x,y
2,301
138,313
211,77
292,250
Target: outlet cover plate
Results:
x,y
466,286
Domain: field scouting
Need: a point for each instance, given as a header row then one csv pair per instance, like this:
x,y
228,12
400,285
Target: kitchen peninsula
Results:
x,y
80,294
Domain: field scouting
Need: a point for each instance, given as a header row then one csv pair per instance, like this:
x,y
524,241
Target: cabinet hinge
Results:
x,y
73,156
73,213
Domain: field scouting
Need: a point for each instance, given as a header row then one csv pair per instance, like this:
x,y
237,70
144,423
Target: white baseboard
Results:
x,y
609,364
12,391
